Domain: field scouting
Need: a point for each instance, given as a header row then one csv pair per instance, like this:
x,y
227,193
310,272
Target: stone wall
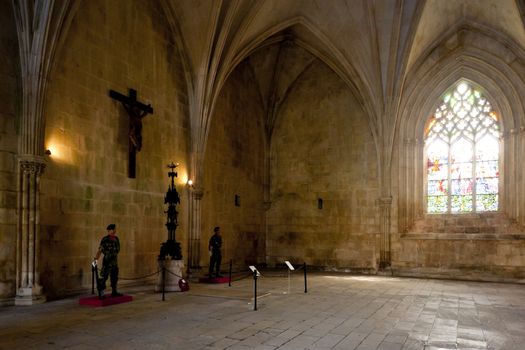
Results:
x,y
110,45
9,99
234,165
322,149
487,246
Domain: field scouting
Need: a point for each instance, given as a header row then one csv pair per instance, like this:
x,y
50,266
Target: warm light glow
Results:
x,y
52,151
57,144
493,116
190,183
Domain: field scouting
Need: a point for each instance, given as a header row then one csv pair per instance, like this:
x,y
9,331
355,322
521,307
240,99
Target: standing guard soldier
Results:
x,y
110,247
215,249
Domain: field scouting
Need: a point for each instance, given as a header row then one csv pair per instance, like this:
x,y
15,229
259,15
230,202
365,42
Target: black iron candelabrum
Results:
x,y
171,248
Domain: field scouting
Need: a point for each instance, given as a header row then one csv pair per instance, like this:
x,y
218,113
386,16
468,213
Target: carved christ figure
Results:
x,y
135,126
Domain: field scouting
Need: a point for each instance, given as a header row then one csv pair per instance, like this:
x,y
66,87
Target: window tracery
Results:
x,y
462,151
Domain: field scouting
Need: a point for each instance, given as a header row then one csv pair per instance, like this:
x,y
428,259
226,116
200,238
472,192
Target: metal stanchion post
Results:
x,y
289,272
305,284
255,290
230,275
163,281
290,269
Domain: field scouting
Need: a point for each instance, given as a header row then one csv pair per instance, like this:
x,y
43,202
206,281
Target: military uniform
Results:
x,y
110,247
215,259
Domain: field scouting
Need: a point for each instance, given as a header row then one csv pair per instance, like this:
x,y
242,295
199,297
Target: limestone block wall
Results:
x,y
460,256
9,98
487,246
322,149
110,45
234,165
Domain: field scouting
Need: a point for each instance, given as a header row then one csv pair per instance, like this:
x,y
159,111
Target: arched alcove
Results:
x,y
451,243
324,181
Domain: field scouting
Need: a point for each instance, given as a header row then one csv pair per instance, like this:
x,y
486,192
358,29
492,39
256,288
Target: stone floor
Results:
x,y
338,312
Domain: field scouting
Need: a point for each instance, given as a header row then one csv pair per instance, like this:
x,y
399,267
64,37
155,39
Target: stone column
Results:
x,y
509,196
195,230
28,288
519,168
384,225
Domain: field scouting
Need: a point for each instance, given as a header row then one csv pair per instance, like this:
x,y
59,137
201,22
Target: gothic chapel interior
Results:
x,y
361,136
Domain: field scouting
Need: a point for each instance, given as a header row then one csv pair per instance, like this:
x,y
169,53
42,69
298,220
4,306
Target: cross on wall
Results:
x,y
136,112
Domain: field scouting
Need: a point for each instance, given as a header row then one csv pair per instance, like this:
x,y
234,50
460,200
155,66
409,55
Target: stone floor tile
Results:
x,y
395,338
299,342
328,341
338,312
413,344
276,341
222,343
389,346
471,344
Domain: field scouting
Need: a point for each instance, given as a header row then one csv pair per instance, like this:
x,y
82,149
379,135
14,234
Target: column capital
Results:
x,y
31,164
384,201
198,193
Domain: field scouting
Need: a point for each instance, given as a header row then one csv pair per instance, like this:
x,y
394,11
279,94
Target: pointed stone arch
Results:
x,y
488,60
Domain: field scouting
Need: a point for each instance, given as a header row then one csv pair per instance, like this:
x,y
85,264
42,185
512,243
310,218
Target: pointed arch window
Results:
x,y
462,153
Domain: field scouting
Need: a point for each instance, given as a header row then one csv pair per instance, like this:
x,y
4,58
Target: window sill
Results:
x,y
465,236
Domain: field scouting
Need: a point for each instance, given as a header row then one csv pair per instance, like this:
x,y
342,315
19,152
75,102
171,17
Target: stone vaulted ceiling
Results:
x,y
370,44
440,17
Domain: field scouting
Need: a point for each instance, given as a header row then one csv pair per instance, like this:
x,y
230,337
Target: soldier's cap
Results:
x,y
110,227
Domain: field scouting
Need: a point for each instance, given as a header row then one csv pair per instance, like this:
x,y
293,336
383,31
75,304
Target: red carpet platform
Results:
x,y
108,300
214,280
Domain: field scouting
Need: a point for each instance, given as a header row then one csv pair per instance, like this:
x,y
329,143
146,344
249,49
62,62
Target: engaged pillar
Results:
x,y
28,290
195,230
384,222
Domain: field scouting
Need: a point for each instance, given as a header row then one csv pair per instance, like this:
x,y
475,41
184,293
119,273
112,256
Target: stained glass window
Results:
x,y
462,152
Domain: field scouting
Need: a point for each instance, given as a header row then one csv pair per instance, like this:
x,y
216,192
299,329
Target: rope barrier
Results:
x,y
266,274
173,273
138,278
242,278
246,273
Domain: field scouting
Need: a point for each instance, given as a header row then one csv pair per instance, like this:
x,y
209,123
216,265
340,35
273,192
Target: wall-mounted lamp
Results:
x,y
190,183
47,152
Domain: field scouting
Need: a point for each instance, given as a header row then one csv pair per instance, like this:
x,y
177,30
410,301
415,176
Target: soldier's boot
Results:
x,y
114,293
100,289
114,280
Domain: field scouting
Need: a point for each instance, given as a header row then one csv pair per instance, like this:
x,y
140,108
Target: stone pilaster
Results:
x,y
28,289
384,225
195,229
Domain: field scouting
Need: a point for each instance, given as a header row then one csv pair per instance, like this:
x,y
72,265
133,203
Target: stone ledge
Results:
x,y
499,274
465,236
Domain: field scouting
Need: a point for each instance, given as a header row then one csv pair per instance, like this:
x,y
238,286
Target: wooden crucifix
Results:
x,y
136,111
